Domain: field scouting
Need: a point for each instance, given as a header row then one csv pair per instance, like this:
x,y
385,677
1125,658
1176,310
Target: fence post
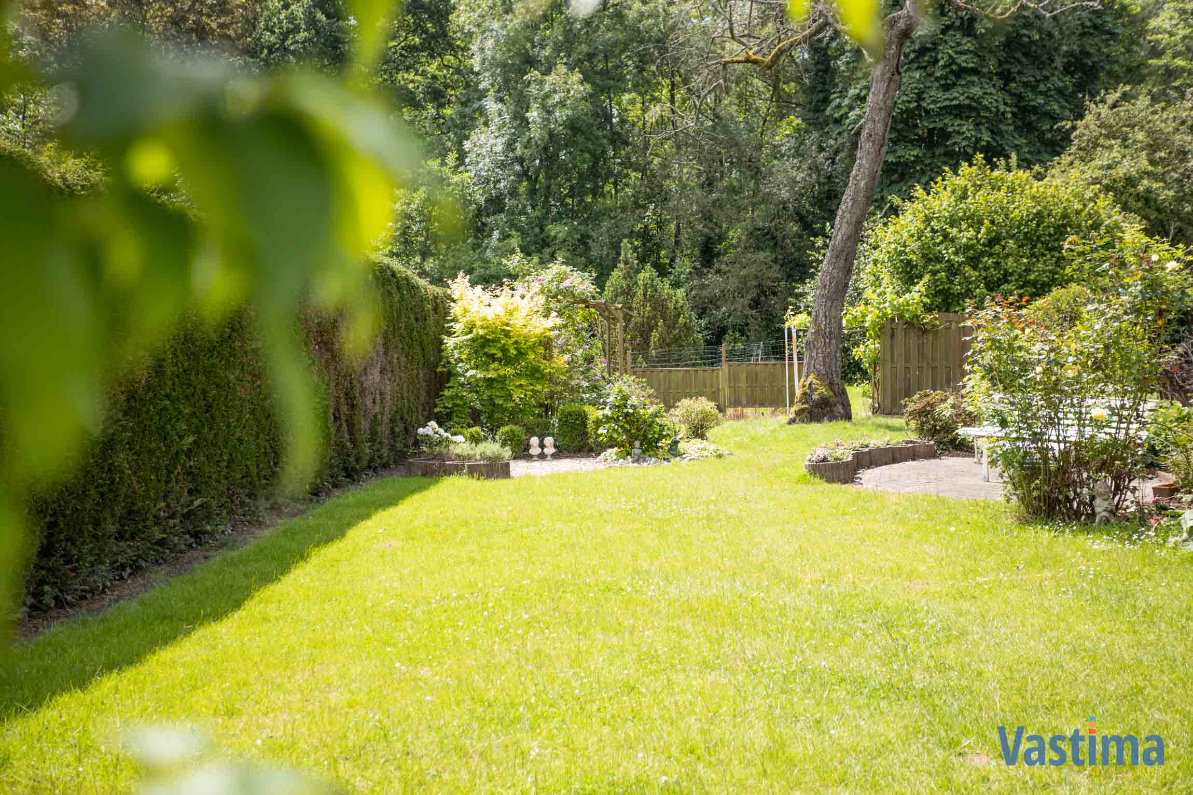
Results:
x,y
786,379
724,377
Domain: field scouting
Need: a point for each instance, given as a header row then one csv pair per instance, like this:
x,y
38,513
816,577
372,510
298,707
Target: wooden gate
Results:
x,y
914,359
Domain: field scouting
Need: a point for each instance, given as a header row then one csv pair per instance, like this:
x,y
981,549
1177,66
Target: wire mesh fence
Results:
x,y
710,355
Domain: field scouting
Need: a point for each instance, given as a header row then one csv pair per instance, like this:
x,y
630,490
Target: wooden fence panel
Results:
x,y
673,384
913,359
733,385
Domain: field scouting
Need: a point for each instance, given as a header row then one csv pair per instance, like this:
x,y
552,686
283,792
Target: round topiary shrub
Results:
x,y
698,414
512,437
474,435
571,429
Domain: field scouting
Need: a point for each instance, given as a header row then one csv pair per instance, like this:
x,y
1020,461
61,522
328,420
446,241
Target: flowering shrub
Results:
x,y
630,413
576,337
699,415
434,440
1066,381
498,355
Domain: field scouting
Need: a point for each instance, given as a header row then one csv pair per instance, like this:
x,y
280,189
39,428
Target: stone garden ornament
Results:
x,y
534,446
1103,503
549,447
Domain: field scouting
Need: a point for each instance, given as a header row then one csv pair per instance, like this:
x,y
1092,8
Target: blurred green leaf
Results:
x,y
286,186
862,20
373,18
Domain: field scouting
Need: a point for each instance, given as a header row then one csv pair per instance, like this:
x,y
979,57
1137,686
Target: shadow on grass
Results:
x,y
78,652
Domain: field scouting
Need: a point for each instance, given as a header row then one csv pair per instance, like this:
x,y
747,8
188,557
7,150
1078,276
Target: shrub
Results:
x,y
498,355
474,435
1035,380
542,427
482,451
937,416
1172,433
984,230
699,415
630,413
512,437
593,416
571,433
190,438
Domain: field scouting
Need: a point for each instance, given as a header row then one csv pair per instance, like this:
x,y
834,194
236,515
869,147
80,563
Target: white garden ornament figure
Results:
x,y
549,447
534,446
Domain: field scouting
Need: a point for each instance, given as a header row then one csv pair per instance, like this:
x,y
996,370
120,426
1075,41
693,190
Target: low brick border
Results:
x,y
427,468
845,471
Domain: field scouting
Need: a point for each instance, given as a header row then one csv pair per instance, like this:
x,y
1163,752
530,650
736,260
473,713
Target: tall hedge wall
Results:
x,y
191,439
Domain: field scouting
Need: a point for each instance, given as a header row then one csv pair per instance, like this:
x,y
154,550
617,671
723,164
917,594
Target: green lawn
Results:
x,y
717,626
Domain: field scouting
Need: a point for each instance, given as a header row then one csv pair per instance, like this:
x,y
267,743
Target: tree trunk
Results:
x,y
823,352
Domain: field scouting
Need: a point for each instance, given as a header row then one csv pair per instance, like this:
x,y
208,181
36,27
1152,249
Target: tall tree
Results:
x,y
757,36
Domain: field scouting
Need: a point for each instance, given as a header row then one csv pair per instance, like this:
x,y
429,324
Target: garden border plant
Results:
x,y
839,462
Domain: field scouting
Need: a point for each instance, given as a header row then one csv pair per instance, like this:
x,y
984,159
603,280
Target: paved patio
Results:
x,y
949,477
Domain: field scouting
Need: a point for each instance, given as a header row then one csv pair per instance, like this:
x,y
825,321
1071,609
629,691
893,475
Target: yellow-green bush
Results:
x,y
191,439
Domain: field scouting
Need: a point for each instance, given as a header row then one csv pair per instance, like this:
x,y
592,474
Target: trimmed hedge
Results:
x,y
191,439
571,429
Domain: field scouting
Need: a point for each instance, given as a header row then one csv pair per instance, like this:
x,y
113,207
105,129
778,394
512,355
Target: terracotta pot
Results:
x,y
833,471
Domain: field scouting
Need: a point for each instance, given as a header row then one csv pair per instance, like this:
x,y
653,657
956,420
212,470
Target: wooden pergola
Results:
x,y
617,353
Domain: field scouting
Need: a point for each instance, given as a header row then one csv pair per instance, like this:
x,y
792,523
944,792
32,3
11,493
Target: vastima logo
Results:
x,y
1080,750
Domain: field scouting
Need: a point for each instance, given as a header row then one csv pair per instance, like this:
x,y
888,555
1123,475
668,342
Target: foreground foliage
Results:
x,y
725,624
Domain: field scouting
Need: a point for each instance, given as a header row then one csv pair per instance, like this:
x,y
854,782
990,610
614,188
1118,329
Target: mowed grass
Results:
x,y
717,626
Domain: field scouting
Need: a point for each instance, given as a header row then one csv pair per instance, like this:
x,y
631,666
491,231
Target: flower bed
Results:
x,y
839,462
448,454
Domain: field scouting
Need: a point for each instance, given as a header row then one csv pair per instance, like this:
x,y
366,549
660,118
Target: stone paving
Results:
x,y
950,477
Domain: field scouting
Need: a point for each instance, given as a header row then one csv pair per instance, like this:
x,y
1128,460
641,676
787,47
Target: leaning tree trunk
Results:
x,y
826,398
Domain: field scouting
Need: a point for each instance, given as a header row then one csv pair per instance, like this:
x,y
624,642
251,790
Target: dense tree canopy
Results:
x,y
574,137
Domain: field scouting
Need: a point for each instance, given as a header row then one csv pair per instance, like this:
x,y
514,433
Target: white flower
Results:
x,y
1172,266
1155,257
432,425
458,439
1098,414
